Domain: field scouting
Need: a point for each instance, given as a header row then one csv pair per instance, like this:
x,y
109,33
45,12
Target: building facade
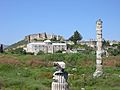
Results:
x,y
46,46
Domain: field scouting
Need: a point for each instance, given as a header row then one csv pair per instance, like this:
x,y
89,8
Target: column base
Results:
x,y
59,86
98,72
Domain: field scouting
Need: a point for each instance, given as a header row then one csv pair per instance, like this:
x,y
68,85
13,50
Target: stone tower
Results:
x,y
60,77
99,69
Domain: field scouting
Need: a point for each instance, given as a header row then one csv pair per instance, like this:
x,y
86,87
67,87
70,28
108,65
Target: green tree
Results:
x,y
59,51
54,39
75,37
45,35
40,52
1,48
105,43
35,40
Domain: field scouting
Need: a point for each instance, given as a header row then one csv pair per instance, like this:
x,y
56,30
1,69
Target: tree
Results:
x,y
105,43
40,52
45,35
54,39
1,48
59,51
77,36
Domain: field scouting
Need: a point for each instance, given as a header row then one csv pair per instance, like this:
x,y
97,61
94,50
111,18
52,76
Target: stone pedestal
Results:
x,y
60,77
59,86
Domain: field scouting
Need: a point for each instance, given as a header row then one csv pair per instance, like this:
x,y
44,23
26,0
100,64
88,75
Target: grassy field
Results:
x,y
28,72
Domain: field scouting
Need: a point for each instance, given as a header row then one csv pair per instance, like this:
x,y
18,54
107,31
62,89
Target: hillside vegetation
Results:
x,y
19,44
28,72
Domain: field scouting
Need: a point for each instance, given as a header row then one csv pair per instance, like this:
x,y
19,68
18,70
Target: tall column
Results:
x,y
99,69
60,77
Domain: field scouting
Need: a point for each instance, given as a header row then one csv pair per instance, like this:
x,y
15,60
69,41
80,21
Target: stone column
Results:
x,y
60,77
99,70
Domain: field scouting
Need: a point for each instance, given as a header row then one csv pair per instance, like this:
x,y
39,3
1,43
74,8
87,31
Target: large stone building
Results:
x,y
46,46
43,36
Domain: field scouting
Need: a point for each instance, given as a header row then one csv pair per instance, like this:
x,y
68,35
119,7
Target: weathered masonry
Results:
x,y
99,69
60,77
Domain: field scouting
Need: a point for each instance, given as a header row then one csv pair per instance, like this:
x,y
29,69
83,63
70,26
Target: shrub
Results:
x,y
40,52
59,51
17,51
29,53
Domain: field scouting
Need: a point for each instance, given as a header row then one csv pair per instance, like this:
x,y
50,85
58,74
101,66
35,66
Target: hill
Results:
x,y
19,44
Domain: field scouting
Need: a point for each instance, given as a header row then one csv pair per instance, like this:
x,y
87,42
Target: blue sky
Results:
x,y
19,18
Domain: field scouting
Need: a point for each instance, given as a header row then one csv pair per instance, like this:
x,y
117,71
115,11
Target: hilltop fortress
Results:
x,y
43,36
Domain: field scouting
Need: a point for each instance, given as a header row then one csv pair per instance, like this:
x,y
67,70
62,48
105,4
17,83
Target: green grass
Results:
x,y
35,72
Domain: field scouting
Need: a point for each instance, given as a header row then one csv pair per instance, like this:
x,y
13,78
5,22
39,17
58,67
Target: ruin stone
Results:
x,y
60,77
99,69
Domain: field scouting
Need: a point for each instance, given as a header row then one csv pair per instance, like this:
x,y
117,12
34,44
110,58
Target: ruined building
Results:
x,y
43,36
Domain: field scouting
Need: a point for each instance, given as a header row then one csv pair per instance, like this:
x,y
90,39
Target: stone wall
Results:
x,y
43,36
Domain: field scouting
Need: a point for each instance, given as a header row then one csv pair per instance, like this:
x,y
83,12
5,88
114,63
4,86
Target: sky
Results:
x,y
19,18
